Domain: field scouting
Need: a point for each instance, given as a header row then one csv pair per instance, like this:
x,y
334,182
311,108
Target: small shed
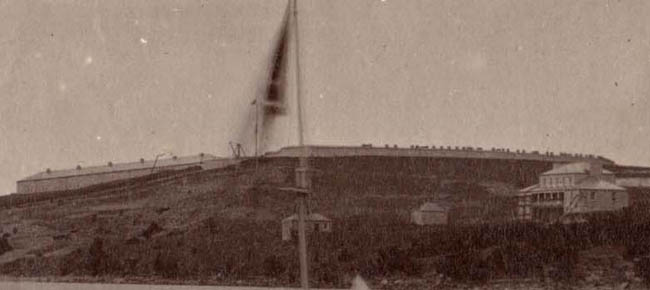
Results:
x,y
314,222
429,214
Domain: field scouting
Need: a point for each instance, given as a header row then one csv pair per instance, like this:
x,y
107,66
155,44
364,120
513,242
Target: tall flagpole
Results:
x,y
302,173
257,124
298,73
257,116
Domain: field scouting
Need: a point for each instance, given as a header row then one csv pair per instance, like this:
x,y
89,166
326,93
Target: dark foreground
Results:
x,y
511,285
87,286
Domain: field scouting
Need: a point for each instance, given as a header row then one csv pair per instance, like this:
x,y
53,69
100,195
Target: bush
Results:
x,y
642,269
273,267
4,244
465,267
166,265
97,257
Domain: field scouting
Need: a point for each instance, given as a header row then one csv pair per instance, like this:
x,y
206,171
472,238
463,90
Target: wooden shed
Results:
x,y
314,222
430,214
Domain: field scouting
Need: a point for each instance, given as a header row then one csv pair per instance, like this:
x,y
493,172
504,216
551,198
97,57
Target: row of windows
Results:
x,y
593,196
556,181
548,196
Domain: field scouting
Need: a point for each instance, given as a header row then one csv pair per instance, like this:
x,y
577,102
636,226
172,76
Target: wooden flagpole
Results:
x,y
302,172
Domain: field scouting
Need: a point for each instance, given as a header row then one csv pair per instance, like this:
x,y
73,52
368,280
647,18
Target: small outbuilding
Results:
x,y
430,214
314,222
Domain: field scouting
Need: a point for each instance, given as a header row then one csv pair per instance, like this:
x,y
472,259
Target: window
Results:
x,y
554,196
561,195
593,195
614,196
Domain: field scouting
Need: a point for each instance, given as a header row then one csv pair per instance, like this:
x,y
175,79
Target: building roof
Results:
x,y
529,189
590,183
314,217
424,152
116,167
594,183
430,206
633,182
573,168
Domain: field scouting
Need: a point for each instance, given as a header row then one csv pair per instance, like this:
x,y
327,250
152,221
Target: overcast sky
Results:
x,y
87,82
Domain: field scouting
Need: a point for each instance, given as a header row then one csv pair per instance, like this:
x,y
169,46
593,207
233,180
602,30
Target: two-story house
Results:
x,y
574,188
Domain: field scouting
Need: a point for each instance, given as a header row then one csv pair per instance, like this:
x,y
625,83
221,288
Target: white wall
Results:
x,y
601,201
79,181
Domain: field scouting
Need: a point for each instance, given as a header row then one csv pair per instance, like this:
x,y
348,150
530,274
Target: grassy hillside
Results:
x,y
223,227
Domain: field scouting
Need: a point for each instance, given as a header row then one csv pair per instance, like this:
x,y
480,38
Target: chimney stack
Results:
x,y
141,160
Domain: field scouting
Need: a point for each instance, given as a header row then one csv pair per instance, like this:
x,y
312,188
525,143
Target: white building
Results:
x,y
79,177
571,189
314,222
429,214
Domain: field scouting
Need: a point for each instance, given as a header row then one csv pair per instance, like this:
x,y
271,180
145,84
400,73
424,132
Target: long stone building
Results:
x,y
79,177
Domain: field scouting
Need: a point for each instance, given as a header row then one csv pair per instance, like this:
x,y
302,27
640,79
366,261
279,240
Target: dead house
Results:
x,y
429,214
314,222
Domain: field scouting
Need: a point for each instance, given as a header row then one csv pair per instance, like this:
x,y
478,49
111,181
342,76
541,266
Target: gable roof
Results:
x,y
589,183
633,182
529,189
430,206
117,167
313,217
573,168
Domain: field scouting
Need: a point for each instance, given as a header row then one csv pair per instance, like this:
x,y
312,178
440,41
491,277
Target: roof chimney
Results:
x,y
175,157
595,169
48,170
141,160
78,167
110,164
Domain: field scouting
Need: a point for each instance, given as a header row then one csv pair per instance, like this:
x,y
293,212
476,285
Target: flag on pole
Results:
x,y
275,99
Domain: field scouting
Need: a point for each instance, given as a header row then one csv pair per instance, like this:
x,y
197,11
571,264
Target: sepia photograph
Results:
x,y
324,144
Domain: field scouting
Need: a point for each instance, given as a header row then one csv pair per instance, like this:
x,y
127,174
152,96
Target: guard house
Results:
x,y
571,189
429,214
314,222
